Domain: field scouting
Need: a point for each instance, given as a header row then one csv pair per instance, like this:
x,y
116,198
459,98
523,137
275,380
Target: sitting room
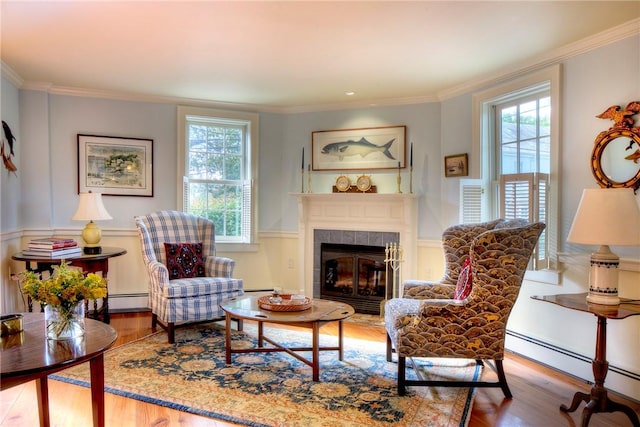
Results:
x,y
338,172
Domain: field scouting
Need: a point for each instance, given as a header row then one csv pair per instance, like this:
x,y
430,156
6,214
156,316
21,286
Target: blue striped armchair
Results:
x,y
180,300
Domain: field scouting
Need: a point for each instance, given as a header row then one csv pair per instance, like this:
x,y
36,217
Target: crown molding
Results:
x,y
9,74
587,44
603,38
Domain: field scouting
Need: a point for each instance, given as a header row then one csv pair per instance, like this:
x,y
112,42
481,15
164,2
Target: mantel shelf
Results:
x,y
378,196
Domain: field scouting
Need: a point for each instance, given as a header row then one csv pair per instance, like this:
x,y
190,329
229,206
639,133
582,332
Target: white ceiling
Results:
x,y
292,55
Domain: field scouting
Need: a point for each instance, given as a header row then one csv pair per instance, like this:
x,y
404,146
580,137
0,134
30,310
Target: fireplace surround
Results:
x,y
354,218
349,267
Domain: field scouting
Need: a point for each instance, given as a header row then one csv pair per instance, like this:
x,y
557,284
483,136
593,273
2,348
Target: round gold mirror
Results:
x,y
615,160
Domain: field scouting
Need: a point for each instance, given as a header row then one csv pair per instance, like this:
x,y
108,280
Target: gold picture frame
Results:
x,y
456,165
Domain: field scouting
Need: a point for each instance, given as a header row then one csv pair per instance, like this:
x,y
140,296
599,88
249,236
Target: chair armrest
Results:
x,y
216,266
399,312
158,274
421,289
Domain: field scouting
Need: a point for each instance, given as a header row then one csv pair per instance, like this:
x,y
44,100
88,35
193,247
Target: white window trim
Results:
x,y
481,160
253,118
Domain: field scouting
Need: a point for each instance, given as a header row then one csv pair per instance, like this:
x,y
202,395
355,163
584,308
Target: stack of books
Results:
x,y
53,247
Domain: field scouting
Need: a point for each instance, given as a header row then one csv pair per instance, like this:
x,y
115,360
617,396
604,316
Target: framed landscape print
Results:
x,y
456,165
115,166
353,149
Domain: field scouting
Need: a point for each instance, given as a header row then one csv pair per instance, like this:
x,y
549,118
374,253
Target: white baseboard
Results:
x,y
618,380
128,301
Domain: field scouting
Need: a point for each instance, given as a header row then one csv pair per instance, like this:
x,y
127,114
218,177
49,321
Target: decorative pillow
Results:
x,y
463,287
184,260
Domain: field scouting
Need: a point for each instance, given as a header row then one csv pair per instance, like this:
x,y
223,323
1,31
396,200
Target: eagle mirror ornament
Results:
x,y
615,159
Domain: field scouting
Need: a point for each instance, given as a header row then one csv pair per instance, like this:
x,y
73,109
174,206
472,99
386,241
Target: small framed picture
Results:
x,y
456,165
115,166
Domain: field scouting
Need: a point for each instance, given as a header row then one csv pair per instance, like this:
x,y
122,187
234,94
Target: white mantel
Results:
x,y
359,212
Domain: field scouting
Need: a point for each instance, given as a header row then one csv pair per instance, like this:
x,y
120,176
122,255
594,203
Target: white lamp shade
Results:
x,y
606,216
90,208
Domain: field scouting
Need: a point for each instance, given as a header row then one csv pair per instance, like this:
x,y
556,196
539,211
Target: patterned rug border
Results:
x,y
468,400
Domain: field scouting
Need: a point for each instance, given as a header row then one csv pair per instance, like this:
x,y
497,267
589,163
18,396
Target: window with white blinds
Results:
x,y
218,170
518,145
524,196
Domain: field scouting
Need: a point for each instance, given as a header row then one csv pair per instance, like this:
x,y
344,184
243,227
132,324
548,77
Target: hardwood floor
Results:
x,y
538,392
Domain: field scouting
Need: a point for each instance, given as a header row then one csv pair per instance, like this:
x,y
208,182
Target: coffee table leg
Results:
x,y
340,340
315,365
43,400
96,366
260,334
227,337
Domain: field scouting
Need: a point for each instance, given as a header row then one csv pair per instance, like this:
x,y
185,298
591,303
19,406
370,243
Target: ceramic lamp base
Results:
x,y
603,277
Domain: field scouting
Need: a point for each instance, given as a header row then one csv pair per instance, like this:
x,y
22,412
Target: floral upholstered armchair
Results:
x,y
463,318
187,281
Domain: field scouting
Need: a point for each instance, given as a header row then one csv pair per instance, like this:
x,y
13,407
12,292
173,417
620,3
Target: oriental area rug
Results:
x,y
275,389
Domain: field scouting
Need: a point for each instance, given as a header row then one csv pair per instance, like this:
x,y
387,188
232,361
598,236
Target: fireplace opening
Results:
x,y
355,274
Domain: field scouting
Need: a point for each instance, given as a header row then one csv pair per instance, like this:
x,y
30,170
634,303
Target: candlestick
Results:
x,y
309,179
302,158
411,180
302,181
411,156
399,179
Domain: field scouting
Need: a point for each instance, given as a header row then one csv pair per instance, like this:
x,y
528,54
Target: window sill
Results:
x,y
549,277
236,247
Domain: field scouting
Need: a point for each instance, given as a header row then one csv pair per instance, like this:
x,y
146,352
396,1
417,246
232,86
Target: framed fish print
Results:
x,y
359,149
115,166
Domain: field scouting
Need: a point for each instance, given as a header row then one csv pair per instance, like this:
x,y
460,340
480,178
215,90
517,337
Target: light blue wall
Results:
x,y
423,128
55,121
72,115
9,182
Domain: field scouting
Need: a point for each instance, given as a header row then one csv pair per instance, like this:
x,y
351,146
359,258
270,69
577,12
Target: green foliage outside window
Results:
x,y
215,171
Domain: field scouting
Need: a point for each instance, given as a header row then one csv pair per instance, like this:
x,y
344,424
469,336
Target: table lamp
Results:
x,y
90,208
606,216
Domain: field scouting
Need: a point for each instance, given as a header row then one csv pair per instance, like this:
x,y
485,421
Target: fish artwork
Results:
x,y
353,148
6,156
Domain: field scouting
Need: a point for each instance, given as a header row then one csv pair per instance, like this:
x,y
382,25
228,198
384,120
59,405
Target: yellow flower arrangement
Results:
x,y
64,290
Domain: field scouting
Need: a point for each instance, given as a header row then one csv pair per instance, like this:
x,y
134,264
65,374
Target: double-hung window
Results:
x,y
522,154
516,144
217,166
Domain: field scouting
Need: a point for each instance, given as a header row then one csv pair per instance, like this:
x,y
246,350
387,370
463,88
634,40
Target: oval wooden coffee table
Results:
x,y
320,313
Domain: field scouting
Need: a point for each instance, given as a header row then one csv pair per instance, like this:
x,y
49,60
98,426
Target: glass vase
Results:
x,y
64,323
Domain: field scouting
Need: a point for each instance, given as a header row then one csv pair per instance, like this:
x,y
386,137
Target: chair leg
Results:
x,y
154,320
401,375
503,380
389,349
240,324
171,332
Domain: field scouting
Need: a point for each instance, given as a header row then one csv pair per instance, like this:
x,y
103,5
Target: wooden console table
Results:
x,y
597,400
88,263
29,355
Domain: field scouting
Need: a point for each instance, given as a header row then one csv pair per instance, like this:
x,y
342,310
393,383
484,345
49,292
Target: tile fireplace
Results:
x,y
353,227
349,272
